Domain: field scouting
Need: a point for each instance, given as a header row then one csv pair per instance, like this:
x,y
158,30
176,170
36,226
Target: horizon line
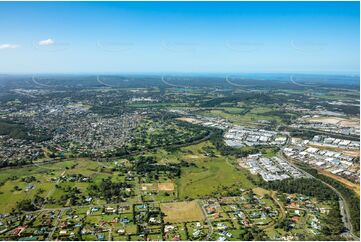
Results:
x,y
182,73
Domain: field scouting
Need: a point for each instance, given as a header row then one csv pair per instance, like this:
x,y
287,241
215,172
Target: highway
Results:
x,y
232,83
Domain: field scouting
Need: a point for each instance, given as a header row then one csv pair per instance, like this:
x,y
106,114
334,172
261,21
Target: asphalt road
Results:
x,y
210,231
344,209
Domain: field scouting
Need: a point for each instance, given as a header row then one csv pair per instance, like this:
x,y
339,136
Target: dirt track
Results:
x,y
349,184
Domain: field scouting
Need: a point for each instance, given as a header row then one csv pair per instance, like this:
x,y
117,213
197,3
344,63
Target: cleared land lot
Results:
x,y
242,117
350,122
189,120
260,191
347,183
182,212
167,186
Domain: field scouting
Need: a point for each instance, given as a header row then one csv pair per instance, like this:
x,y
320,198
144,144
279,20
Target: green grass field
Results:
x,y
209,175
205,176
46,176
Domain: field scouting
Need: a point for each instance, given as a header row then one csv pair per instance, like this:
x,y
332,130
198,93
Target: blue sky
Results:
x,y
227,37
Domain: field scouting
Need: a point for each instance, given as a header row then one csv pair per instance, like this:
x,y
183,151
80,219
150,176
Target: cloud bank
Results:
x,y
46,42
8,46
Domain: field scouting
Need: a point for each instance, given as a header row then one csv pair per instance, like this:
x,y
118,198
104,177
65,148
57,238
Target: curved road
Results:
x,y
344,209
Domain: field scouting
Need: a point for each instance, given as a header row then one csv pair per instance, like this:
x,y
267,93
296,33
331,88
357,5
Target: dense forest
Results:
x,y
13,130
306,186
109,190
148,164
20,131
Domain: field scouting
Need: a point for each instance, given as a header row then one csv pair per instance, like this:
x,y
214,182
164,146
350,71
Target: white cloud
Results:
x,y
46,42
8,46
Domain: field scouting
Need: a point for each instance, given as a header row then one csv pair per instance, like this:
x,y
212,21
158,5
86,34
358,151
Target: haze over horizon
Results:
x,y
180,37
